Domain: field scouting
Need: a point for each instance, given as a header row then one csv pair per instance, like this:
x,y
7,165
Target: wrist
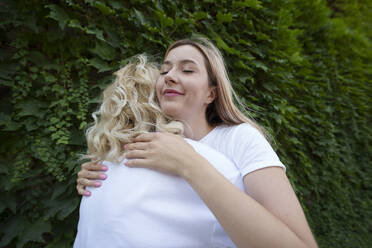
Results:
x,y
193,168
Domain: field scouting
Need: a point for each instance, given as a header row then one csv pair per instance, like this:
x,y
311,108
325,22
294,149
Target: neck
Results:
x,y
196,129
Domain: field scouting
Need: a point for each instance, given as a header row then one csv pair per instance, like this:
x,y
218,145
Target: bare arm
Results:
x,y
269,216
270,187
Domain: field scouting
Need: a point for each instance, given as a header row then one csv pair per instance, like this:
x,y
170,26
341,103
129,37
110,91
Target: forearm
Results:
x,y
247,223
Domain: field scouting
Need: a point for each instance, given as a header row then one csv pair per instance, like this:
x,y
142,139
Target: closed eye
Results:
x,y
188,71
163,72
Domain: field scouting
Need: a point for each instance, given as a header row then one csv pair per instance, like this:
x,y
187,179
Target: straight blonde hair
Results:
x,y
222,110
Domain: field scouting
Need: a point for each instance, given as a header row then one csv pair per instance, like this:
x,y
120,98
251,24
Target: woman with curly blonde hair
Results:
x,y
129,108
248,194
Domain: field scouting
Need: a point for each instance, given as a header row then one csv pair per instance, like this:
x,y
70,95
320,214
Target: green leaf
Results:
x,y
34,232
4,119
74,23
31,124
222,45
113,39
12,126
59,189
262,36
38,58
97,32
103,8
31,107
248,3
259,64
58,14
165,21
8,201
11,229
247,56
296,58
49,77
104,51
222,18
7,83
241,64
2,206
116,4
7,71
68,206
99,64
199,15
140,17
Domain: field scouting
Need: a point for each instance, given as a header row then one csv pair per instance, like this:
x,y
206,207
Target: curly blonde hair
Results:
x,y
129,108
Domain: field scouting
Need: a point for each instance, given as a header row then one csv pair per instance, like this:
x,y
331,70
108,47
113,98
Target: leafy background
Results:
x,y
302,67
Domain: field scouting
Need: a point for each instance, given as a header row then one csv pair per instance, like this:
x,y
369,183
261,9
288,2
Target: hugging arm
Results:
x,y
269,215
276,195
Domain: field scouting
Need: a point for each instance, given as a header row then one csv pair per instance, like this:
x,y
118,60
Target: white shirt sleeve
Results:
x,y
252,151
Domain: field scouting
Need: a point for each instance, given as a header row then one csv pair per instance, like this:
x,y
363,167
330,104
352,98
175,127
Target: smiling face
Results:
x,y
183,86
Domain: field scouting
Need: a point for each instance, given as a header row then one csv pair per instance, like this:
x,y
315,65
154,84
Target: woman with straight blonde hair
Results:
x,y
256,209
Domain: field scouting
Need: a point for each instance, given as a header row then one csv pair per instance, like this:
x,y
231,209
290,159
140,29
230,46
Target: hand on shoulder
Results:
x,y
87,176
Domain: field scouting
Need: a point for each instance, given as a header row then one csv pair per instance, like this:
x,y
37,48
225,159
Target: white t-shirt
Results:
x,y
244,145
139,208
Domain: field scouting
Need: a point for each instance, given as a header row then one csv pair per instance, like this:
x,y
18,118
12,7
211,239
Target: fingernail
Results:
x,y
102,176
87,193
97,184
104,168
127,164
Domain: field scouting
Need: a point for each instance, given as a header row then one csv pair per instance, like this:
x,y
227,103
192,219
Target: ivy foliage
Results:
x,y
303,68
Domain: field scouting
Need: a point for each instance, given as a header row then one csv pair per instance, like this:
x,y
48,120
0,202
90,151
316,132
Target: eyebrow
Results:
x,y
184,61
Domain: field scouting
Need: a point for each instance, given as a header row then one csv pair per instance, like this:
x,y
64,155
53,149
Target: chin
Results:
x,y
171,111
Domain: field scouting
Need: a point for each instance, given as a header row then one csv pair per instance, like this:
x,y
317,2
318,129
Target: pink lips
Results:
x,y
171,92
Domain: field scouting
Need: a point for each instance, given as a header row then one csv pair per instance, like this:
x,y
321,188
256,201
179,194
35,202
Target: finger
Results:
x,y
83,182
135,154
145,137
137,146
138,162
92,175
82,191
94,166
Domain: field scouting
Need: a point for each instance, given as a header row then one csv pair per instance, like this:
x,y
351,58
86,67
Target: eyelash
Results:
x,y
185,71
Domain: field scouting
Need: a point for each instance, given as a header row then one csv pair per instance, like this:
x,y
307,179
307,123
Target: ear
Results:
x,y
212,94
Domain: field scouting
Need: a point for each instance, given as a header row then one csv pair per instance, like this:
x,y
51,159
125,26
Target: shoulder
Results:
x,y
247,128
230,138
203,148
218,159
247,136
112,164
246,141
243,132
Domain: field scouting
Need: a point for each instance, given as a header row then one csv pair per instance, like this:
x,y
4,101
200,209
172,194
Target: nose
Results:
x,y
170,77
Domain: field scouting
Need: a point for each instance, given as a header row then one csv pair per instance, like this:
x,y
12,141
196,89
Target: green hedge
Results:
x,y
302,67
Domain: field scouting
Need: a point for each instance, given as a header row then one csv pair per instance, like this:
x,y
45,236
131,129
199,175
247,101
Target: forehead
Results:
x,y
184,53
